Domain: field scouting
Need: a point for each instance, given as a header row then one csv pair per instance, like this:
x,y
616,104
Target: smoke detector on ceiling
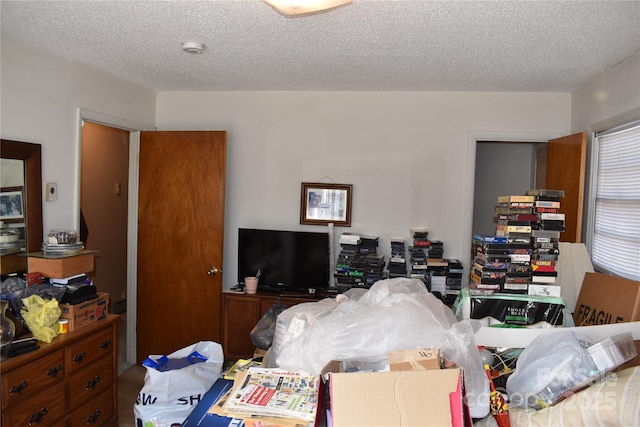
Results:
x,y
193,47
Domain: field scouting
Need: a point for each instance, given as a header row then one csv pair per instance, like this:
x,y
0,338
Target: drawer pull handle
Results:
x,y
55,370
93,418
18,388
93,383
38,416
105,344
80,357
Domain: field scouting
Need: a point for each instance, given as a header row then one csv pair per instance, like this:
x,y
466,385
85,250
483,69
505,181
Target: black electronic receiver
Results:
x,y
23,346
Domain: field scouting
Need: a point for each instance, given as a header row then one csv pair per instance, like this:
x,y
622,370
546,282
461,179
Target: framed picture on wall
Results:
x,y
321,204
12,204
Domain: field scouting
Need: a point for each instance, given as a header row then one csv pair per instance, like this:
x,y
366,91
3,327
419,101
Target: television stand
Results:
x,y
271,289
241,313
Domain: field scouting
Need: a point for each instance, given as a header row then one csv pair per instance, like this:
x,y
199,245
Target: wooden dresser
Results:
x,y
70,382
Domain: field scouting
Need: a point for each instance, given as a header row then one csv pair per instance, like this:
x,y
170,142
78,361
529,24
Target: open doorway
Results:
x,y
104,207
127,336
504,168
104,210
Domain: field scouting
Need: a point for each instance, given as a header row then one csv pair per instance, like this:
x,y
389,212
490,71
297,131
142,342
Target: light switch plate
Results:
x,y
52,191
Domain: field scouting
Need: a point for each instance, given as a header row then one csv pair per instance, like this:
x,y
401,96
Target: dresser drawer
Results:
x,y
90,382
84,352
43,410
96,412
21,384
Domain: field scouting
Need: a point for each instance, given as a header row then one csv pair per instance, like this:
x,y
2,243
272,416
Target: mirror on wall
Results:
x,y
20,204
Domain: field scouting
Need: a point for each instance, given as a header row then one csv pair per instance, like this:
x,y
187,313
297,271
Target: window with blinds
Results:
x,y
616,220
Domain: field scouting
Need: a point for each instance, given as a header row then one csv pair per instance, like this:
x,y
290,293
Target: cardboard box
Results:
x,y
60,267
606,299
86,312
413,398
414,360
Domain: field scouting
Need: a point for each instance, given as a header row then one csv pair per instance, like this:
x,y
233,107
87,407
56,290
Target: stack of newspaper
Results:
x,y
272,396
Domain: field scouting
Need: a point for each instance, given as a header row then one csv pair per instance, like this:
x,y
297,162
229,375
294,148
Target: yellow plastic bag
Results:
x,y
41,316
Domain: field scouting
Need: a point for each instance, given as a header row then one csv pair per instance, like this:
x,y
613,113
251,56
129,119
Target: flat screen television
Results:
x,y
288,260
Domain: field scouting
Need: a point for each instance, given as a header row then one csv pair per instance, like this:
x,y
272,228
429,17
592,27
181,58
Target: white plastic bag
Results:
x,y
393,315
168,396
296,320
550,366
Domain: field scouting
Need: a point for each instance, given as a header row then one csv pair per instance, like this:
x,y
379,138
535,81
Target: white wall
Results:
x,y
405,153
609,100
41,97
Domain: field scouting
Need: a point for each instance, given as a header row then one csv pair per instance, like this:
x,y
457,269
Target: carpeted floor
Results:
x,y
130,379
130,382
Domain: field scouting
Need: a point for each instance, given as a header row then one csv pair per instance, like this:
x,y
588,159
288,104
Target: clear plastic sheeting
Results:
x,y
295,320
557,365
552,365
393,315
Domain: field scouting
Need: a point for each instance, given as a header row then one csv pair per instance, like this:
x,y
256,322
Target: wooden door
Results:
x,y
566,163
180,239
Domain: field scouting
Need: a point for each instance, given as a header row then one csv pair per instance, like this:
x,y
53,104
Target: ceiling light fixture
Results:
x,y
297,8
193,47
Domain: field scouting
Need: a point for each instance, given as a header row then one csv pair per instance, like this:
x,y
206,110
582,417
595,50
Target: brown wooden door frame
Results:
x,y
134,129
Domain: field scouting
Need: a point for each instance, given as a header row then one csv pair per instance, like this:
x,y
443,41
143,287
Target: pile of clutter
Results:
x,y
390,353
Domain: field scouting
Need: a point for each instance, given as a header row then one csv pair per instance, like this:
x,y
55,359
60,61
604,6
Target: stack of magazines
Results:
x,y
287,398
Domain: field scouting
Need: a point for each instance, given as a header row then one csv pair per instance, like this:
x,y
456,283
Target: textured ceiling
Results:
x,y
370,45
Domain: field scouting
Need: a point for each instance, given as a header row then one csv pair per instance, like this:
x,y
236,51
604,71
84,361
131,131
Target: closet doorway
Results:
x,y
504,168
104,207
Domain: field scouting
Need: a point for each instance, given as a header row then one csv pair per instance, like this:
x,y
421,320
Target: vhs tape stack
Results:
x,y
350,265
489,264
437,267
515,220
454,280
418,253
545,241
374,262
358,263
521,257
397,265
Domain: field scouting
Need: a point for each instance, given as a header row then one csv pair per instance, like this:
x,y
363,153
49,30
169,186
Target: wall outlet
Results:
x,y
51,191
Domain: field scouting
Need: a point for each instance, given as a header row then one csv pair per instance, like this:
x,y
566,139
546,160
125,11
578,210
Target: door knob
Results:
x,y
213,271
